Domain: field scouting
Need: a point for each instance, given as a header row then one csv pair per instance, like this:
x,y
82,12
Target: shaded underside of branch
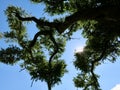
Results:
x,y
108,13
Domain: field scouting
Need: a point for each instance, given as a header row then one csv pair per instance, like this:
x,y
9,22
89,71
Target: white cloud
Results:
x,y
117,87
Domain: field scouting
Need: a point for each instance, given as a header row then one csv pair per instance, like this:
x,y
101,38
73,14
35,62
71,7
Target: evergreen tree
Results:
x,y
99,22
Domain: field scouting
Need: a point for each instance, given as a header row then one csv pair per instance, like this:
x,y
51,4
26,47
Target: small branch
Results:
x,y
22,69
52,39
32,82
26,18
55,48
95,61
39,22
36,36
92,70
95,78
88,85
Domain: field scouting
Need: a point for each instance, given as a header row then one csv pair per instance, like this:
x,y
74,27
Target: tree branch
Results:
x,y
97,60
26,18
94,77
55,48
36,36
39,22
91,14
86,14
51,38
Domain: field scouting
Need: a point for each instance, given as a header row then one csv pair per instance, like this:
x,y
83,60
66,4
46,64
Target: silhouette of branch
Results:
x,y
26,18
95,13
22,69
32,82
95,61
94,77
36,36
39,22
49,33
88,85
55,48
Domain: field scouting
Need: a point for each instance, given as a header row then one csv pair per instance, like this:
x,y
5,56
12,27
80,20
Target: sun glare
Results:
x,y
79,49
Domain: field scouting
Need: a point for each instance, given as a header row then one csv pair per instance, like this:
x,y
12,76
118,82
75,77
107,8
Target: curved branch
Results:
x,y
95,61
92,69
39,22
51,38
36,36
55,48
95,13
26,18
93,74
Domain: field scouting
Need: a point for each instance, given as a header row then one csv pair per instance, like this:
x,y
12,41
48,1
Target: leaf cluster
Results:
x,y
34,58
42,71
85,81
102,44
10,55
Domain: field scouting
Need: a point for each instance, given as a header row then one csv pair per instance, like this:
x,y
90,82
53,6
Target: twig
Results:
x,y
32,82
22,69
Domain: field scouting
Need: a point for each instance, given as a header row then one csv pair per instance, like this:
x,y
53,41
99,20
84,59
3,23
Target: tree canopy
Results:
x,y
99,21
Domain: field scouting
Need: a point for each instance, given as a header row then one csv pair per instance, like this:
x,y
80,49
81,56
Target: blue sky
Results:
x,y
12,79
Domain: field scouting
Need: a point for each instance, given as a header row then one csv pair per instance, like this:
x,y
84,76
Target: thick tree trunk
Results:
x,y
108,13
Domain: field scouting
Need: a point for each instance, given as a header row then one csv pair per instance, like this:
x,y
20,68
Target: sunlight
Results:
x,y
79,49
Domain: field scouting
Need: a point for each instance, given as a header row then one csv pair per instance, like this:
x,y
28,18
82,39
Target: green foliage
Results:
x,y
85,81
82,62
18,30
42,71
70,6
102,44
34,58
102,38
10,55
101,29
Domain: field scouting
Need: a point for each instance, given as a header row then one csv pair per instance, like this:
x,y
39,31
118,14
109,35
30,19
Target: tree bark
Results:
x,y
109,13
98,13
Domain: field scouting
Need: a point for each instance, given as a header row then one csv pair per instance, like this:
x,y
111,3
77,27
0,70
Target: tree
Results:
x,y
96,18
